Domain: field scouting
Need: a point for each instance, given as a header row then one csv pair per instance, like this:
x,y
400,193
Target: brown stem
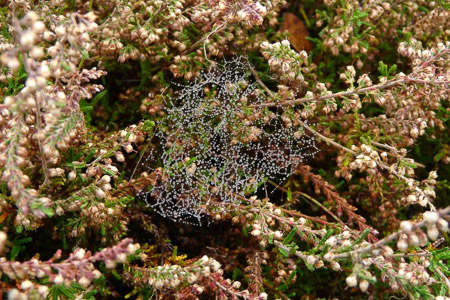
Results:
x,y
348,93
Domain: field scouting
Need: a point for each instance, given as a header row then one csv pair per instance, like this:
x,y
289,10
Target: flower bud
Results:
x,y
431,217
311,260
27,39
406,226
364,286
351,280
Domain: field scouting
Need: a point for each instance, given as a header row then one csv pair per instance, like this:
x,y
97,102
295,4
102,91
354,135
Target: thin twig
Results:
x,y
394,152
258,80
143,151
203,39
319,98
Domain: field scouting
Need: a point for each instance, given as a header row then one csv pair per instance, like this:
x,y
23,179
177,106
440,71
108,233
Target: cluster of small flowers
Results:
x,y
52,120
102,169
162,25
367,160
358,27
248,12
226,289
287,64
343,34
77,268
171,276
28,290
399,273
268,222
429,68
102,175
329,105
412,49
402,274
352,281
423,192
412,236
432,27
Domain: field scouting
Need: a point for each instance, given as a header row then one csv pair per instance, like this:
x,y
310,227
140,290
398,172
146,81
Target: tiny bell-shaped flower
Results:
x,y
406,226
364,286
431,216
402,244
351,280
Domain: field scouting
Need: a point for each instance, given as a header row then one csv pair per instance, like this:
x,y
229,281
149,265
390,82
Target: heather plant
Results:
x,y
191,149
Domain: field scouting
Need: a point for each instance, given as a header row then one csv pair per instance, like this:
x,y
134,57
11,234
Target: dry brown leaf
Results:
x,y
297,32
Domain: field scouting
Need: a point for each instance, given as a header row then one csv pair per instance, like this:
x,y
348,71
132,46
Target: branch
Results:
x,y
389,238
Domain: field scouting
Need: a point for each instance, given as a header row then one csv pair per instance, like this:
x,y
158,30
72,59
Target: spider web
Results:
x,y
215,149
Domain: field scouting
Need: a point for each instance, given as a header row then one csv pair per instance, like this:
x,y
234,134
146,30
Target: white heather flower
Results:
x,y
43,290
128,148
27,39
388,252
36,52
442,225
278,235
110,264
351,280
31,83
236,285
328,256
413,240
431,217
84,281
364,286
100,194
265,45
3,237
58,279
311,260
121,257
158,284
215,265
97,274
346,234
79,254
131,249
256,232
12,63
406,226
352,71
263,296
38,27
13,294
402,244
72,175
335,266
25,285
433,175
106,179
192,278
331,241
119,156
432,232
285,43
60,31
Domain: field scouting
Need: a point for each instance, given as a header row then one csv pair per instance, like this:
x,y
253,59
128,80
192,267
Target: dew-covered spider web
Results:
x,y
215,148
